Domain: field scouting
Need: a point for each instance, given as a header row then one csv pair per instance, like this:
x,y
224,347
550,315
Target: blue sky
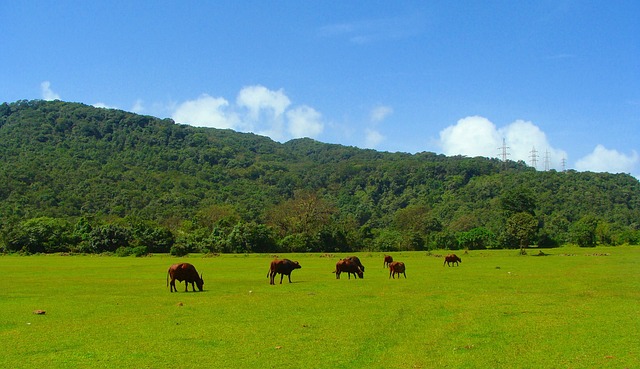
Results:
x,y
560,77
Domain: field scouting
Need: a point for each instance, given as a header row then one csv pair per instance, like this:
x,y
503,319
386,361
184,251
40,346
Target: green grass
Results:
x,y
575,308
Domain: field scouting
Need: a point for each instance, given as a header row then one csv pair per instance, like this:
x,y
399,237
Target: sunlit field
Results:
x,y
574,308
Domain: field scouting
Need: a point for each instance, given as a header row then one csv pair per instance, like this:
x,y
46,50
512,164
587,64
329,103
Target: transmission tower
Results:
x,y
503,152
564,164
547,162
534,157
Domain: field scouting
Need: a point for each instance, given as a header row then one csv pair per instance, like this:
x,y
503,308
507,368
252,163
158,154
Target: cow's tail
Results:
x,y
167,278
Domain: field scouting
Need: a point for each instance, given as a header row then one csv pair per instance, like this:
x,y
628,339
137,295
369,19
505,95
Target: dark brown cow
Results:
x,y
187,273
282,266
387,260
397,267
451,258
350,267
356,260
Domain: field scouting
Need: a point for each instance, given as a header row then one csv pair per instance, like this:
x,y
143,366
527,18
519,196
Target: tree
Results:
x,y
522,227
476,239
583,232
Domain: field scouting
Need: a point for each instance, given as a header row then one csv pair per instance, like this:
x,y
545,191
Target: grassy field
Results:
x,y
575,308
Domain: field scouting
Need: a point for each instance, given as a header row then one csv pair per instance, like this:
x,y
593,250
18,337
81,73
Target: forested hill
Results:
x,y
80,178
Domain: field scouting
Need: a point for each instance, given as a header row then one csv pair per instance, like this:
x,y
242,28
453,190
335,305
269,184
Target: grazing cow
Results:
x,y
356,260
187,273
451,258
397,267
282,266
350,267
387,260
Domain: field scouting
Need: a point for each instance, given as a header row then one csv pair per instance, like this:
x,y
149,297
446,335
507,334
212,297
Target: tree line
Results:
x,y
82,179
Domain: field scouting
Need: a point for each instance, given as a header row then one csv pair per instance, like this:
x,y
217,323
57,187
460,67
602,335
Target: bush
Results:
x,y
124,251
179,250
139,251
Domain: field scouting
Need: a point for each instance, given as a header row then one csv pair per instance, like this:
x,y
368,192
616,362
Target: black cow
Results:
x,y
451,258
356,260
282,266
350,267
187,273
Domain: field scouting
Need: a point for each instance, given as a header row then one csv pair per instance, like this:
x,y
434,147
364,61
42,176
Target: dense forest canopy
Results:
x,y
76,178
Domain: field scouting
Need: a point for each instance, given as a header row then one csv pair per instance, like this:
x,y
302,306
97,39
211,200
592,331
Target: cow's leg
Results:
x,y
172,285
289,277
281,276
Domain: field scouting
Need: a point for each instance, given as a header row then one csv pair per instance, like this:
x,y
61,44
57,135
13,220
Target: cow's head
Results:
x,y
360,273
200,282
296,265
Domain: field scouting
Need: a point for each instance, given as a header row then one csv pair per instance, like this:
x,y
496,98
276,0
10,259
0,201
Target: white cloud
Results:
x,y
206,111
612,161
257,109
104,106
47,92
471,136
259,99
373,138
477,136
304,121
379,113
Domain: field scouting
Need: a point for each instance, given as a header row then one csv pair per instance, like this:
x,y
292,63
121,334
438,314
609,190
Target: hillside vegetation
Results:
x,y
76,178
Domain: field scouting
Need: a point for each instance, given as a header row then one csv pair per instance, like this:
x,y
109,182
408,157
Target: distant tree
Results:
x,y
476,239
109,237
522,227
583,232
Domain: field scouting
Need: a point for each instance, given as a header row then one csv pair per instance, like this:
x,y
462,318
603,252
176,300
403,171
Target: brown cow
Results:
x,y
187,273
451,258
387,260
350,267
282,266
356,260
397,267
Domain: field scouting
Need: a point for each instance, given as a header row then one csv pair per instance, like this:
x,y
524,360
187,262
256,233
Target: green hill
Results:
x,y
80,178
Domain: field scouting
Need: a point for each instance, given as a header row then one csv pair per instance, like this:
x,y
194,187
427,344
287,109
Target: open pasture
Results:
x,y
576,308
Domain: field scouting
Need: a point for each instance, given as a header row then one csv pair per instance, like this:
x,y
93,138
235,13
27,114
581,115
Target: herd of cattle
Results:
x,y
350,265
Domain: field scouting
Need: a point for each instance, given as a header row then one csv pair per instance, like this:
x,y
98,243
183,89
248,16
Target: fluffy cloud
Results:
x,y
471,136
477,136
259,99
612,161
206,111
47,92
257,109
304,121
